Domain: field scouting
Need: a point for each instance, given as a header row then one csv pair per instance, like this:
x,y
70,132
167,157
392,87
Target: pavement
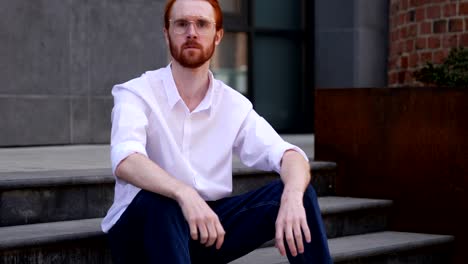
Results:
x,y
89,157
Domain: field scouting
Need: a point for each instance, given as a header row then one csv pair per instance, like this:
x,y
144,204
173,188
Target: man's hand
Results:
x,y
203,222
291,223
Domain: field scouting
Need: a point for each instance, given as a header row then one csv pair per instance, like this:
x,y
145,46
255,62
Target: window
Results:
x,y
265,56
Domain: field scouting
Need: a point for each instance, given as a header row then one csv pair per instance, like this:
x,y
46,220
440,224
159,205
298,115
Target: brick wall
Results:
x,y
421,31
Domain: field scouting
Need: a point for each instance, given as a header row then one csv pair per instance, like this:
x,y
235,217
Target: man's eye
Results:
x,y
181,23
202,23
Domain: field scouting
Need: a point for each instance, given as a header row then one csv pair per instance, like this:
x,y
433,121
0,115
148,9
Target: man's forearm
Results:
x,y
140,171
204,224
295,172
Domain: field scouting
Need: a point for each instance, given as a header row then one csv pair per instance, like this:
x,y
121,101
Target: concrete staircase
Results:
x,y
54,217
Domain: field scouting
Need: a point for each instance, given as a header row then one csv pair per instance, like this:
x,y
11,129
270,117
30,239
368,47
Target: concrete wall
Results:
x,y
351,39
60,59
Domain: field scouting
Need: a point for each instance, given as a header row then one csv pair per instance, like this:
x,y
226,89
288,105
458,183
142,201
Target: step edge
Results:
x,y
361,204
435,240
66,234
21,180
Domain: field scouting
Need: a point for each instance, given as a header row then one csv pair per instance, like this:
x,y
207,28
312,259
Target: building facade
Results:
x,y
60,59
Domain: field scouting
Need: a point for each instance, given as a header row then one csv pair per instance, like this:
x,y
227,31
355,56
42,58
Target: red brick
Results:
x,y
404,62
426,56
410,45
401,77
391,78
420,14
433,42
394,8
401,19
394,35
450,41
440,26
466,24
464,40
425,28
450,10
455,25
463,9
412,30
401,47
394,48
433,12
393,22
413,60
403,33
404,4
439,56
408,77
421,43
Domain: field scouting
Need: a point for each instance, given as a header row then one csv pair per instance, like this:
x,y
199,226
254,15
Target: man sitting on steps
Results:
x,y
174,131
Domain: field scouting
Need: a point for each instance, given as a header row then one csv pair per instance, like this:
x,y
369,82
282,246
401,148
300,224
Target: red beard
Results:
x,y
191,58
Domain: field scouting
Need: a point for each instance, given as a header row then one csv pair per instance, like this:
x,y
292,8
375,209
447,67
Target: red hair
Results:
x,y
214,3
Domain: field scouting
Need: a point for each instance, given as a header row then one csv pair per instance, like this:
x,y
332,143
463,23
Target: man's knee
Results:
x,y
154,205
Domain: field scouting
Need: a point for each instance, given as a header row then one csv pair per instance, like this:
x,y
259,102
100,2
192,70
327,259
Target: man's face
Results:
x,y
190,48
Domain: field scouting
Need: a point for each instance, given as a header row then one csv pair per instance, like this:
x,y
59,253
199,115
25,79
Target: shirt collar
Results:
x,y
173,96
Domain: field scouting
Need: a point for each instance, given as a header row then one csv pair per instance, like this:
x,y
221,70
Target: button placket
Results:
x,y
187,136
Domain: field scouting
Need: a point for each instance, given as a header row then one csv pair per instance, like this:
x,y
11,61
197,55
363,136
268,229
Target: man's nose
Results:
x,y
191,30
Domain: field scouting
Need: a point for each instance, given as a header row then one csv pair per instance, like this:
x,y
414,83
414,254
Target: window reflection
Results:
x,y
230,6
229,63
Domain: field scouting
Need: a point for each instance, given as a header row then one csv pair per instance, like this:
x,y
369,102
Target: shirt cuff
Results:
x,y
278,151
122,150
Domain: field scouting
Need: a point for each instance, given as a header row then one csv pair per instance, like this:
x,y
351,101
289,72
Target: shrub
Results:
x,y
452,72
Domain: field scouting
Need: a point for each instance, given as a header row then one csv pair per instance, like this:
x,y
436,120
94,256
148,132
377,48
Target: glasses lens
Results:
x,y
202,26
180,26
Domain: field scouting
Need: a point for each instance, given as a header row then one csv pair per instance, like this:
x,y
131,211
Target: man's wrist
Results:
x,y
292,193
182,192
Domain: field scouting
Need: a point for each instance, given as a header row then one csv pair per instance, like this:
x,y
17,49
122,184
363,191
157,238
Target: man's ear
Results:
x,y
219,36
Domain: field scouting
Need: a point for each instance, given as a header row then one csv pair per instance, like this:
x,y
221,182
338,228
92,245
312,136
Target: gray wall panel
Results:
x,y
34,46
100,109
334,52
60,59
127,41
351,39
35,121
80,120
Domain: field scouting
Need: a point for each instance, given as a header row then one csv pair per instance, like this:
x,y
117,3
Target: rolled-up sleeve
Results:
x,y
129,125
258,145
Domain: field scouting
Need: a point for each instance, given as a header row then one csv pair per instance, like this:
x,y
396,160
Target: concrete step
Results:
x,y
85,237
381,247
81,241
47,196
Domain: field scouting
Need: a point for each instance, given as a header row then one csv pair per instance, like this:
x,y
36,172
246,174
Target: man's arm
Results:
x,y
291,221
140,171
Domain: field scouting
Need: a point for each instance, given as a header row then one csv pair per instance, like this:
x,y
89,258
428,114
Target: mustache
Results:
x,y
191,44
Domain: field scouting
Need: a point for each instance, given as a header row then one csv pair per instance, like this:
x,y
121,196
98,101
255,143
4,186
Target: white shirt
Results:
x,y
149,117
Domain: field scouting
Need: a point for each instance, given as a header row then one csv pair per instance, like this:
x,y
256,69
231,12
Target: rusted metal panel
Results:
x,y
405,144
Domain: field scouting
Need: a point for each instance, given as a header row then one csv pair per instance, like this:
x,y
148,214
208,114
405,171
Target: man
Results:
x,y
173,134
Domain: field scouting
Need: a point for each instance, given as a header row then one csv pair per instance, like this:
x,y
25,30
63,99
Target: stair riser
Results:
x,y
428,255
51,204
323,181
84,251
355,223
95,251
71,202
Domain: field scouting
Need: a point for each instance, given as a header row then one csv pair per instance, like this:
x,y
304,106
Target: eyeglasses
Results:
x,y
202,26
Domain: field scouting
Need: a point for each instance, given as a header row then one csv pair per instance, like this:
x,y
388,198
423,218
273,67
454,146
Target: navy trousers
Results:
x,y
154,230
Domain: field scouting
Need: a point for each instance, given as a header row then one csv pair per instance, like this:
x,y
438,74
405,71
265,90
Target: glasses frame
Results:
x,y
194,22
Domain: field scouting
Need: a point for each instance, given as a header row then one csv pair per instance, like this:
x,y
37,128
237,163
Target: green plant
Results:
x,y
452,72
